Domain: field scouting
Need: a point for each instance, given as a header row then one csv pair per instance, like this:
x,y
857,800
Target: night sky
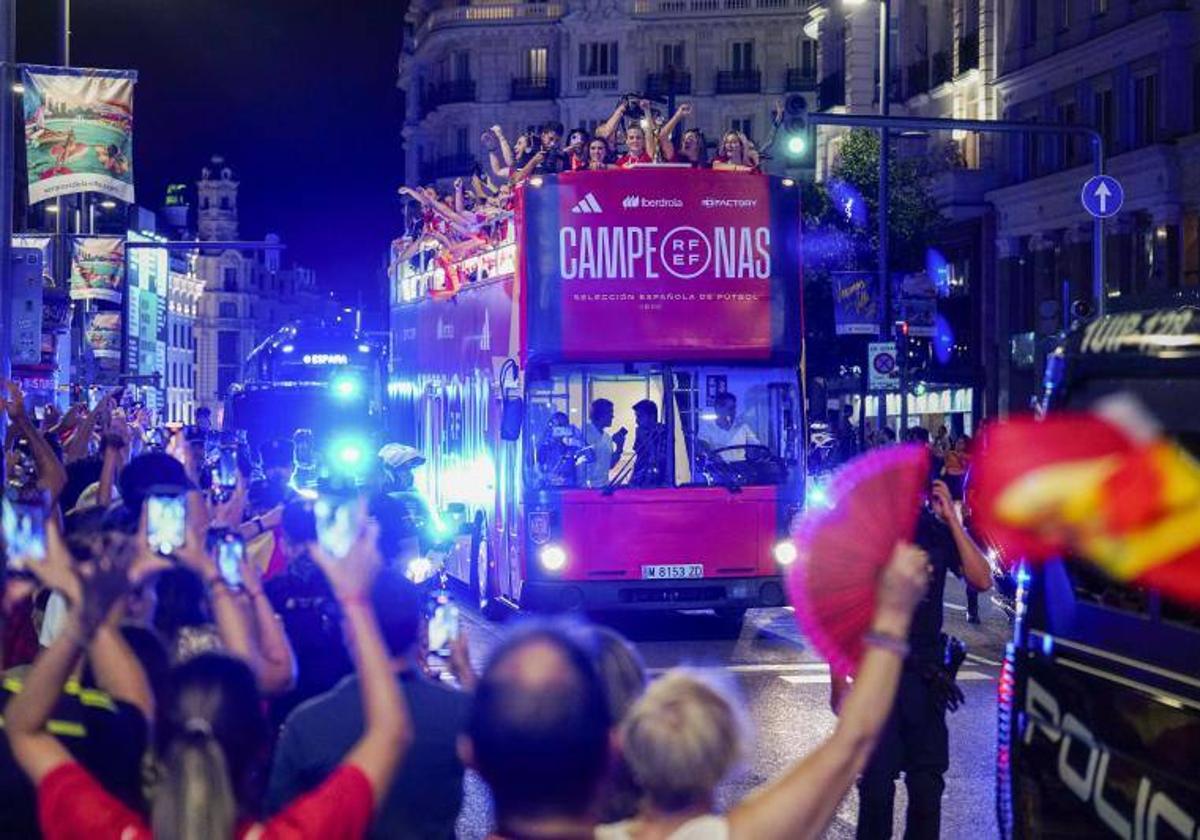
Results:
x,y
298,95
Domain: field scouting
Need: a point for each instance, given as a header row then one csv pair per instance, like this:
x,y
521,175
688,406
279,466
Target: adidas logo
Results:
x,y
587,204
631,202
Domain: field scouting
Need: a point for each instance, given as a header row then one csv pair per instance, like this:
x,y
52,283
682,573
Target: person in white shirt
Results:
x,y
726,431
603,449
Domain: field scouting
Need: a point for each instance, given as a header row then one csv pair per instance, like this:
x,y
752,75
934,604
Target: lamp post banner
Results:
x,y
78,131
856,302
97,268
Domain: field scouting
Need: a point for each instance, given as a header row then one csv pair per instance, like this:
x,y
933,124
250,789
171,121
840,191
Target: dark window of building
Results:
x,y
1196,96
1099,7
460,66
224,202
1068,144
807,56
1034,163
1104,118
462,142
227,347
1062,15
226,376
231,279
742,57
1145,110
1029,22
598,58
227,310
671,56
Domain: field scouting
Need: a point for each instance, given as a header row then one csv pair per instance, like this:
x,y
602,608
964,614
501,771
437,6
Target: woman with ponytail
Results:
x,y
212,733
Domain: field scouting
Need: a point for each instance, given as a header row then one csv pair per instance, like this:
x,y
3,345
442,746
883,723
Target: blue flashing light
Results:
x,y
346,387
816,496
364,348
288,348
349,454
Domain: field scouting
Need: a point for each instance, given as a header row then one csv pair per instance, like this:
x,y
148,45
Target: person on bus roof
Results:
x,y
724,431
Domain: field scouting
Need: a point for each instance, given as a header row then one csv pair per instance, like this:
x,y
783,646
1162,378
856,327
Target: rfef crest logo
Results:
x,y
686,252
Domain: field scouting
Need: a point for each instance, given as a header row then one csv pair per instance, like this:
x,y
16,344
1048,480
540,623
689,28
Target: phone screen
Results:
x,y
166,522
443,627
24,533
227,468
337,524
230,552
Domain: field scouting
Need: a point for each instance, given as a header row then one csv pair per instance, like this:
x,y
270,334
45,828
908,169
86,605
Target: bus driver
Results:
x,y
724,430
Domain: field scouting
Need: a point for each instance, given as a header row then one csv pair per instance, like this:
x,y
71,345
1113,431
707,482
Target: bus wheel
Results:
x,y
482,589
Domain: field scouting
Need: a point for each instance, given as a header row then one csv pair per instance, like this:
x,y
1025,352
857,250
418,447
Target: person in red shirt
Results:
x,y
635,148
212,729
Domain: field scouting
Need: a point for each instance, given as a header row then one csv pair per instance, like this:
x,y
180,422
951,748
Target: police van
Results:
x,y
1099,713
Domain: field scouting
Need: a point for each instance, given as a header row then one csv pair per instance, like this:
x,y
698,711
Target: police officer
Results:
x,y
915,739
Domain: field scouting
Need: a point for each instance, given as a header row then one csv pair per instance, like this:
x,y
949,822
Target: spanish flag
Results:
x,y
1087,486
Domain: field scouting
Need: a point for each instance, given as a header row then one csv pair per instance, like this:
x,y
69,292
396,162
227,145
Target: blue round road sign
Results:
x,y
1102,196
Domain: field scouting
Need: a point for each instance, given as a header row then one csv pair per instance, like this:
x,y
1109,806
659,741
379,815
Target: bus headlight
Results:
x,y
553,558
784,552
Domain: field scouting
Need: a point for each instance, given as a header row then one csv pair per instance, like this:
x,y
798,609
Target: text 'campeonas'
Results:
x,y
627,253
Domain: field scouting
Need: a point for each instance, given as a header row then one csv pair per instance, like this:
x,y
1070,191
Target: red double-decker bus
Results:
x,y
661,301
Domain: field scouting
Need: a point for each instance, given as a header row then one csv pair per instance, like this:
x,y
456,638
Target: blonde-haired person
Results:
x,y
684,736
737,154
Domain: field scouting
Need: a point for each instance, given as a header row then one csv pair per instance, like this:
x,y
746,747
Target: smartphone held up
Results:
x,y
166,521
24,525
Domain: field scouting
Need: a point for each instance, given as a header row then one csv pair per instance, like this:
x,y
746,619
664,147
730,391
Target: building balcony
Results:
x,y
668,82
968,52
591,83
528,88
490,14
941,68
447,166
739,81
800,79
832,91
446,93
687,8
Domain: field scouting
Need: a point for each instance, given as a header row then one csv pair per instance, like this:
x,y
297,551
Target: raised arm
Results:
x,y
278,661
668,130
802,801
388,730
52,477
975,567
91,591
609,127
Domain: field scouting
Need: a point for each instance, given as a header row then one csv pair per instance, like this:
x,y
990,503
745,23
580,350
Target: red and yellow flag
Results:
x,y
1084,486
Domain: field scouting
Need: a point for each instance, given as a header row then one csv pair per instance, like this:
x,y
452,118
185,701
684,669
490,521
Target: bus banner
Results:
x,y
659,264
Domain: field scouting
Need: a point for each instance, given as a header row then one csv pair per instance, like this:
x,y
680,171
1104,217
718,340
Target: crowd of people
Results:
x,y
166,697
474,216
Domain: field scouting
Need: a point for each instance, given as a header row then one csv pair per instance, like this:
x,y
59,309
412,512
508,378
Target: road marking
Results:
x,y
760,668
811,679
983,660
950,606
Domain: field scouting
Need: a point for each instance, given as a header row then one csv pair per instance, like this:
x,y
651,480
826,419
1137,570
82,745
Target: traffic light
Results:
x,y
798,137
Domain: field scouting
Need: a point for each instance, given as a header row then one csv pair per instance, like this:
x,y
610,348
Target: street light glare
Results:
x,y
108,204
796,144
18,87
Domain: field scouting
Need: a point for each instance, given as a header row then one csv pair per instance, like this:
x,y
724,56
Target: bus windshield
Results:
x,y
631,425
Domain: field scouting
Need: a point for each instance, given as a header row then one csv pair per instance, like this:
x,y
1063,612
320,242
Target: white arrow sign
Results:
x,y
1102,196
1103,193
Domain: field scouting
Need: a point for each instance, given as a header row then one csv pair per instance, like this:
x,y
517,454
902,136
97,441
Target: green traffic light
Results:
x,y
797,145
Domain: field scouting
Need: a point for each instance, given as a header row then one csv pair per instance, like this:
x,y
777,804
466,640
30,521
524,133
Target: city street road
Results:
x,y
785,686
